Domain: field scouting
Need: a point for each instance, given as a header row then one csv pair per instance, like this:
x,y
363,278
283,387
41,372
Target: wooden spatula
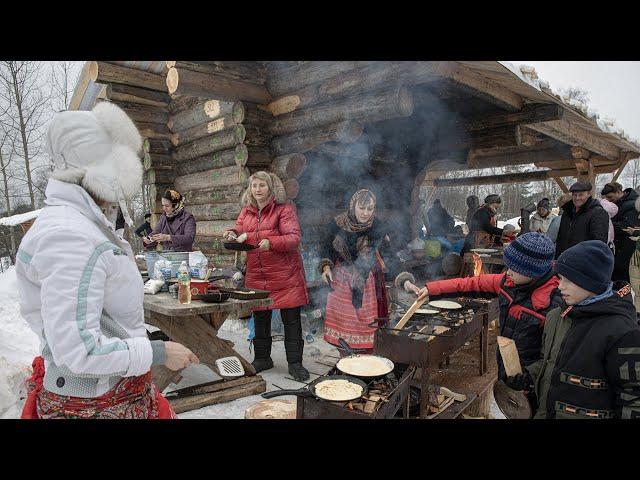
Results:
x,y
412,309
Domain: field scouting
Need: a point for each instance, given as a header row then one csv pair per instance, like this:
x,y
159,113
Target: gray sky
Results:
x,y
614,87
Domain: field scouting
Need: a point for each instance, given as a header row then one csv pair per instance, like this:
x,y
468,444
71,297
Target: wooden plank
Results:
x,y
164,304
81,86
531,113
191,403
572,134
479,86
561,184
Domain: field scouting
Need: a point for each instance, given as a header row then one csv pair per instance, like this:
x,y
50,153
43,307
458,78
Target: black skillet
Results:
x,y
352,353
240,247
310,389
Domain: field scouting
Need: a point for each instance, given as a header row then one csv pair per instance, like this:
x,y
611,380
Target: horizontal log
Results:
x,y
156,146
245,71
531,113
214,143
126,93
197,84
214,228
259,159
291,187
225,158
305,140
217,177
203,130
293,79
257,136
579,152
358,80
206,111
156,191
153,176
222,211
371,107
145,113
289,166
214,196
158,162
103,72
355,152
255,114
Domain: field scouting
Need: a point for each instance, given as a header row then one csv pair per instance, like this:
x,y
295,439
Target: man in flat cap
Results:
x,y
583,218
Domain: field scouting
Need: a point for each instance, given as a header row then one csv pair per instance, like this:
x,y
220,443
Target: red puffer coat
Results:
x,y
278,269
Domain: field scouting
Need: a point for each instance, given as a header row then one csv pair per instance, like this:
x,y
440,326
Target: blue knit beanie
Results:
x,y
530,255
588,264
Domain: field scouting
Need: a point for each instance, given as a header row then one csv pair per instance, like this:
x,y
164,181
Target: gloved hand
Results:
x,y
522,381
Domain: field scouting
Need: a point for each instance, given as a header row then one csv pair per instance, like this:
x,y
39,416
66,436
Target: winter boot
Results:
x,y
262,358
294,345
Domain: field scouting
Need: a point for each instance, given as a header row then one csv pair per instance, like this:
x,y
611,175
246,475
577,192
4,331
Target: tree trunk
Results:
x,y
289,166
204,112
305,140
226,158
214,143
217,177
103,72
222,211
366,108
214,196
196,84
126,93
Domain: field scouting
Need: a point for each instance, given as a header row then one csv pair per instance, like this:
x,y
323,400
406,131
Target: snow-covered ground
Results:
x,y
19,345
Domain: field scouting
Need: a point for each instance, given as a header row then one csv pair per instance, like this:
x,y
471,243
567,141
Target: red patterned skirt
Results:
x,y
131,398
343,320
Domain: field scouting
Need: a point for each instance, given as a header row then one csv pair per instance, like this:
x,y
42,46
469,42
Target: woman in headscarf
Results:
x,y
271,224
176,229
80,289
353,266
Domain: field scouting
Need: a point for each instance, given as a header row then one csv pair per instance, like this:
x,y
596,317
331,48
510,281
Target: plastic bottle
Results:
x,y
184,284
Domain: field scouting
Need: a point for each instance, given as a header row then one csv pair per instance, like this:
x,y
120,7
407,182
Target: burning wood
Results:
x,y
477,264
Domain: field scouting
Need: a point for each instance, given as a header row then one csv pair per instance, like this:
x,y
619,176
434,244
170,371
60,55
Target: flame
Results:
x,y
477,264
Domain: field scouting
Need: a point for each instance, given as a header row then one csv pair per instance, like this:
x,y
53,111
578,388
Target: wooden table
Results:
x,y
196,326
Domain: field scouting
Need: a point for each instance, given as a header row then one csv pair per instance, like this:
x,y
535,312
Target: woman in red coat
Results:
x,y
276,266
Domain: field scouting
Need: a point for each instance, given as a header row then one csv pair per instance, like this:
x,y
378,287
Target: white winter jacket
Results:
x,y
538,223
81,292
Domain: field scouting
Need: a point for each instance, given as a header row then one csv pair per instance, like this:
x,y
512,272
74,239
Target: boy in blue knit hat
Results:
x,y
589,365
526,292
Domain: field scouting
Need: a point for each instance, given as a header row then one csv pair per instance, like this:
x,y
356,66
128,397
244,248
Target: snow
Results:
x,y
19,345
20,218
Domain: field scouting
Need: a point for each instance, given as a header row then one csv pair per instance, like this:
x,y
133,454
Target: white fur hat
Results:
x,y
97,150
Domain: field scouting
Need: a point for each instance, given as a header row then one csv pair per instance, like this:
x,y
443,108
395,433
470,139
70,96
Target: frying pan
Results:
x,y
240,247
310,389
512,403
351,354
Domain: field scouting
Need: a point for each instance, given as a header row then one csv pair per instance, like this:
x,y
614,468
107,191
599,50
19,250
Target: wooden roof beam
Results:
x,y
574,135
81,86
479,86
532,113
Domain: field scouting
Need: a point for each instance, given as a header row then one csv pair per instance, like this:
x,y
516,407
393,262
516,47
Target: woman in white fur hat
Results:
x,y
80,290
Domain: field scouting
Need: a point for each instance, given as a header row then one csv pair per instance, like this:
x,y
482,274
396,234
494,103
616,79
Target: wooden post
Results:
x,y
561,184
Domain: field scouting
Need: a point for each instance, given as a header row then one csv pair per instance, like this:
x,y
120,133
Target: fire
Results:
x,y
477,264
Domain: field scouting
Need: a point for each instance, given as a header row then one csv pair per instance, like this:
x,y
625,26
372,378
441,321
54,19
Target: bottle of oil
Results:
x,y
184,284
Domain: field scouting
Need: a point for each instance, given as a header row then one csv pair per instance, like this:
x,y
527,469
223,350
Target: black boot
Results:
x,y
262,341
293,343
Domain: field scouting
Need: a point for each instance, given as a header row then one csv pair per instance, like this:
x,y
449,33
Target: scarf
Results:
x,y
179,207
347,220
606,294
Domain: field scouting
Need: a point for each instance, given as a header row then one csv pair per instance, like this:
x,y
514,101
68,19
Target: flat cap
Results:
x,y
581,187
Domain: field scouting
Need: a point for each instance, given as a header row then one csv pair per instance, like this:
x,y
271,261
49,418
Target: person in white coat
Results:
x,y
80,290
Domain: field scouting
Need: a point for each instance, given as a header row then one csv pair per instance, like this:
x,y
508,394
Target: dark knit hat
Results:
x,y
493,198
610,188
588,264
581,187
544,203
530,255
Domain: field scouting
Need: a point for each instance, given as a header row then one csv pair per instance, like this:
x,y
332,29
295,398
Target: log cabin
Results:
x,y
327,128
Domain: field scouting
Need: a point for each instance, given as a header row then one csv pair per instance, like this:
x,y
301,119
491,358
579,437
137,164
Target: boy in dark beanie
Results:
x,y
590,361
526,292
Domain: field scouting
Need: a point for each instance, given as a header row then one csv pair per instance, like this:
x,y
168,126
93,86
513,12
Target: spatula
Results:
x,y
412,309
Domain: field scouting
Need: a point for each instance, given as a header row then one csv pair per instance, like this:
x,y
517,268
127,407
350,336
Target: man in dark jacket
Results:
x,y
583,218
144,229
590,361
625,218
440,222
483,230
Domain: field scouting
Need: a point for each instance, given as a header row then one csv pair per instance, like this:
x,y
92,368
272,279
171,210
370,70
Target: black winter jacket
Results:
x,y
627,216
591,222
